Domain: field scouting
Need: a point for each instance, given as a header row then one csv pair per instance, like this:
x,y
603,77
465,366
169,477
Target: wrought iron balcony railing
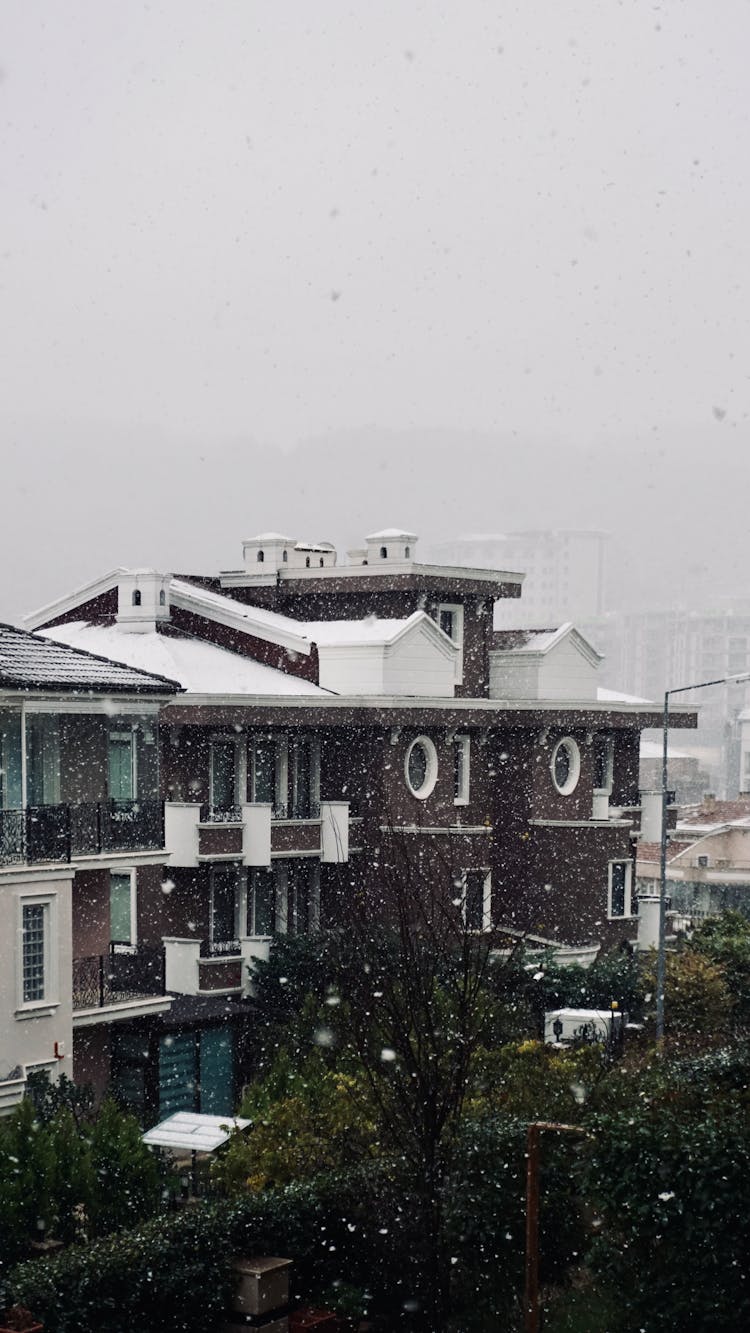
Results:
x,y
220,814
117,976
57,832
220,949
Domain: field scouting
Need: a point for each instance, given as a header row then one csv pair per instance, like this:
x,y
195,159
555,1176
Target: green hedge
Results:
x,y
362,1227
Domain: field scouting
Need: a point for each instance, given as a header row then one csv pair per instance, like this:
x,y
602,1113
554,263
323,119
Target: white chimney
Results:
x,y
267,553
142,600
391,546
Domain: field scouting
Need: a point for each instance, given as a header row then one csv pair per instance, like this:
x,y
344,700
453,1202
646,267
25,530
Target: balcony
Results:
x,y
195,833
121,984
59,832
200,967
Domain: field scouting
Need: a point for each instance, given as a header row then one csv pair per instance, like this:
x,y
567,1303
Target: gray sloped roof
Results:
x,y
29,661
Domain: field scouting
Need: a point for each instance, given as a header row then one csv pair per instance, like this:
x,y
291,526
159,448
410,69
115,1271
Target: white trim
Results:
x,y
628,914
130,872
432,702
115,1013
223,610
580,823
85,593
94,704
231,578
462,742
295,856
454,830
574,756
431,771
486,895
226,738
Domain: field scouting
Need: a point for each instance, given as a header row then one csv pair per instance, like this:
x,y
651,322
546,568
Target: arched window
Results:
x,y
384,553
136,598
285,557
162,597
260,557
307,562
407,553
321,562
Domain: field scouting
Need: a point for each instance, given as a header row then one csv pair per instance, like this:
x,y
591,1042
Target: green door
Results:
x,y
176,1074
217,1071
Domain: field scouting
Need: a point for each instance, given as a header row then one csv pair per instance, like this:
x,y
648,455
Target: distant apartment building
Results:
x,y
646,652
565,572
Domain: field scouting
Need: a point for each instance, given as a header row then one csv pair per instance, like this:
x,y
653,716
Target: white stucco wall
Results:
x,y
28,1033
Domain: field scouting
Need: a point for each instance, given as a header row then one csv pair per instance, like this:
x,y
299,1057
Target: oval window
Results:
x,y
420,767
566,766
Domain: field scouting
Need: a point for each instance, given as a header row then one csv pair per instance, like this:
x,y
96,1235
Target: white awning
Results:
x,y
193,1132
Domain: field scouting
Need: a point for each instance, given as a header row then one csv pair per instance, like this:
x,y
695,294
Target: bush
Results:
x,y
672,1185
62,1178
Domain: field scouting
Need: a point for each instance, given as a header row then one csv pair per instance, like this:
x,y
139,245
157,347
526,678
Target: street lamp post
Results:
x,y
661,951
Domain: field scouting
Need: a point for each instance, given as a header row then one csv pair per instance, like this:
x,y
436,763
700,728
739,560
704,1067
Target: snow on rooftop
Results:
x,y
181,590
615,697
391,532
653,750
200,667
372,630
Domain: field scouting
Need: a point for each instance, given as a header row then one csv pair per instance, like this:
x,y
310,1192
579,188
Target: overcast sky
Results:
x,y
328,266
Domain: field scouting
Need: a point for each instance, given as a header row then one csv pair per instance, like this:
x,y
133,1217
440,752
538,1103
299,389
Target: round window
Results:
x,y
566,766
420,767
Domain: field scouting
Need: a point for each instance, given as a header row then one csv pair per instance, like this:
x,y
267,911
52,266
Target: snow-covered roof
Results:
x,y
616,697
391,532
271,537
542,641
653,750
372,630
201,668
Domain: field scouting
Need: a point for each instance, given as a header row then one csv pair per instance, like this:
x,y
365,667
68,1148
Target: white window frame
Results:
x,y
240,765
132,944
51,997
608,740
462,743
124,733
486,896
568,787
254,738
457,610
431,775
628,913
219,867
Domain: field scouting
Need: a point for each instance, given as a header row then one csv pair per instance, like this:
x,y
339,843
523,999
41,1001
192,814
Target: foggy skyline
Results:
x,y
328,268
